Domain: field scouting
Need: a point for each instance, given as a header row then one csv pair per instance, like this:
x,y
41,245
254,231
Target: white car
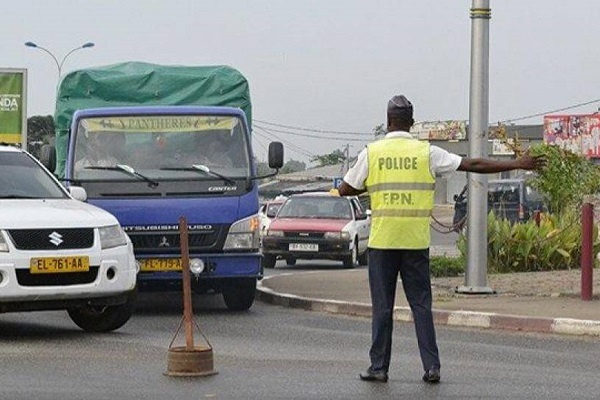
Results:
x,y
267,212
57,252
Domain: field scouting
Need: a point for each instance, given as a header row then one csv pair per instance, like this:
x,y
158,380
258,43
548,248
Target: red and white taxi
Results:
x,y
318,226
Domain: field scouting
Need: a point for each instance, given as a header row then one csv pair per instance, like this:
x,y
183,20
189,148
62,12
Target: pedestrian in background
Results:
x,y
399,174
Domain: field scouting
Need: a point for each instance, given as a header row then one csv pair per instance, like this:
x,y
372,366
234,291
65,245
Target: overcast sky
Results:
x,y
327,65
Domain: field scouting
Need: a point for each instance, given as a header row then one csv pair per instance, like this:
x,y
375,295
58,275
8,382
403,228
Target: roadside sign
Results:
x,y
337,182
13,110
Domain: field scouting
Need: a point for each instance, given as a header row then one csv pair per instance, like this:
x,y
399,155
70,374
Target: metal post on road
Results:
x,y
188,360
476,270
587,247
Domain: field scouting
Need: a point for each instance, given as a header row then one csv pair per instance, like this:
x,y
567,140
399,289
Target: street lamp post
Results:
x,y
60,64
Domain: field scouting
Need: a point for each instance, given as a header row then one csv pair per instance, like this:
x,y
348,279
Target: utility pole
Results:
x,y
476,271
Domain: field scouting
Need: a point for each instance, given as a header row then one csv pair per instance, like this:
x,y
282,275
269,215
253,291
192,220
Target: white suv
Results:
x,y
57,252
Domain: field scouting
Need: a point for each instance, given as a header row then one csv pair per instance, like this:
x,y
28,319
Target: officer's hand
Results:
x,y
529,162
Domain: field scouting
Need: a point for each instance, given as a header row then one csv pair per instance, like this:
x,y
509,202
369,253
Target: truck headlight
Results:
x,y
243,234
3,244
112,236
337,235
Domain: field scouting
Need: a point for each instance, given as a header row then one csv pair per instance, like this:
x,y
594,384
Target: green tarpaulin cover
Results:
x,y
143,84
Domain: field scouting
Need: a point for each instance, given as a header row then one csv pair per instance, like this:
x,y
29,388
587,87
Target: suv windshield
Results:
x,y
316,207
21,178
160,147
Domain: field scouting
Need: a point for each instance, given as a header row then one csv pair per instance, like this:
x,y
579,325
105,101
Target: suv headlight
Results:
x,y
337,235
3,244
112,236
243,234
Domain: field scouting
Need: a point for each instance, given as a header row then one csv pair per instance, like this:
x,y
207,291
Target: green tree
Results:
x,y
293,166
379,131
333,158
40,131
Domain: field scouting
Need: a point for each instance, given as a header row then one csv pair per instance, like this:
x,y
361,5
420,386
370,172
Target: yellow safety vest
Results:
x,y
401,189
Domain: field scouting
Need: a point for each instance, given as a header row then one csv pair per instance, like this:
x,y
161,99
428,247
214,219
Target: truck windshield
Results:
x,y
161,147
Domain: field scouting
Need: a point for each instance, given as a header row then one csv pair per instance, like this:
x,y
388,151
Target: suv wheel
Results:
x,y
103,319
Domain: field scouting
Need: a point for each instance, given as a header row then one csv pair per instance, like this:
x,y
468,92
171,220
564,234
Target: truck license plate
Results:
x,y
52,265
304,247
160,264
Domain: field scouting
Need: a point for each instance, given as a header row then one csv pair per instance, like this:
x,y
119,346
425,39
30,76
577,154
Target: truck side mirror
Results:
x,y
48,157
275,155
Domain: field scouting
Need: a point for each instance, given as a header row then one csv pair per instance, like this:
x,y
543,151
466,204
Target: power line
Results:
x,y
551,112
298,128
311,136
292,146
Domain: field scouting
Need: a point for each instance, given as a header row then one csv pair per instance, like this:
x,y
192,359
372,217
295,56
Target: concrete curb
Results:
x,y
469,319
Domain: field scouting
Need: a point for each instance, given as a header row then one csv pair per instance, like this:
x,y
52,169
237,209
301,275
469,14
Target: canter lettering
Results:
x,y
397,198
397,163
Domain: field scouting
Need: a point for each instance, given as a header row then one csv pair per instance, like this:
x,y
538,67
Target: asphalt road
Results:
x,y
277,353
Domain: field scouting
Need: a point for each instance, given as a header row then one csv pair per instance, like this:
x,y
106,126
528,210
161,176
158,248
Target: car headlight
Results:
x,y
337,235
112,236
3,244
243,234
275,233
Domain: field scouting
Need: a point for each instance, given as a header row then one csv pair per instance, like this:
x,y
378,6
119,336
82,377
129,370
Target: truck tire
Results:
x,y
351,261
239,294
103,319
269,261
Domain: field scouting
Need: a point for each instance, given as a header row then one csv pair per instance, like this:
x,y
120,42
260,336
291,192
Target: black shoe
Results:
x,y
374,376
432,376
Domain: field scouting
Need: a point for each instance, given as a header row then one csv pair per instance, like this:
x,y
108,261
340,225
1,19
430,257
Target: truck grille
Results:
x,y
25,278
52,239
169,243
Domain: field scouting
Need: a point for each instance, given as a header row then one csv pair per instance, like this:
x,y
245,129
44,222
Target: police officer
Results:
x,y
399,173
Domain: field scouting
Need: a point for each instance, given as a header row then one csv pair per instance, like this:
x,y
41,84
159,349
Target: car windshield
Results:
x,y
506,192
272,209
161,147
22,178
316,207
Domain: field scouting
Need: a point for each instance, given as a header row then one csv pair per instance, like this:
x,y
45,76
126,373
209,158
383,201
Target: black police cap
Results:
x,y
400,107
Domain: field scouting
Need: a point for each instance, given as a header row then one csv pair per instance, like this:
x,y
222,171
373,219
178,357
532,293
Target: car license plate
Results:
x,y
304,247
52,265
161,264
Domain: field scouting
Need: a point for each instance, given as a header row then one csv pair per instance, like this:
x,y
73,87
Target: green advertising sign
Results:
x,y
12,100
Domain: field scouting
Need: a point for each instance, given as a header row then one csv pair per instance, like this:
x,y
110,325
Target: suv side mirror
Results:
x,y
78,193
275,155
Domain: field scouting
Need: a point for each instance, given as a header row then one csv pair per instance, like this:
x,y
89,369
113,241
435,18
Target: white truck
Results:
x,y
57,252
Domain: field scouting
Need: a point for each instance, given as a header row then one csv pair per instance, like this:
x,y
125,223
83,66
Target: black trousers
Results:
x,y
413,266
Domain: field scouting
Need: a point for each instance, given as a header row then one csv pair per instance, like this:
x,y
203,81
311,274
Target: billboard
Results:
x,y
13,106
440,130
578,133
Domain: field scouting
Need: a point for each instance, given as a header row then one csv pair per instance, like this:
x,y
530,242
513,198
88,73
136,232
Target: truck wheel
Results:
x,y
290,261
351,261
363,259
239,294
268,261
103,319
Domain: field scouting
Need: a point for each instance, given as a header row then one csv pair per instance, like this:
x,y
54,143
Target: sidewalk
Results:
x,y
535,301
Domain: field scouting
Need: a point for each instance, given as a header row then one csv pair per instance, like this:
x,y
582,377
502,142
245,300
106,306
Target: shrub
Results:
x,y
442,266
521,247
